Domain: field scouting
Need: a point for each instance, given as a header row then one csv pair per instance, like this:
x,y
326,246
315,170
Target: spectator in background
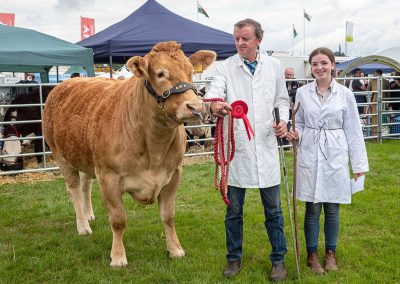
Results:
x,y
357,85
29,79
372,86
395,85
121,77
76,74
291,86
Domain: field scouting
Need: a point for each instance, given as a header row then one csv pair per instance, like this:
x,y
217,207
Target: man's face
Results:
x,y
289,74
246,42
357,74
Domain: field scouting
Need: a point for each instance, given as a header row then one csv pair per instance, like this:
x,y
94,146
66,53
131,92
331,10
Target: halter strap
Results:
x,y
177,89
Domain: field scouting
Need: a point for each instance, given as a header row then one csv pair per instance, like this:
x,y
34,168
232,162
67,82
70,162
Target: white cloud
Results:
x,y
376,23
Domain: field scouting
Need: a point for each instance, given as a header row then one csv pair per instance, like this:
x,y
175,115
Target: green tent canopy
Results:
x,y
25,50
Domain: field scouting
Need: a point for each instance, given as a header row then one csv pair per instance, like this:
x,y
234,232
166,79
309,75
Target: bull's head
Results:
x,y
168,78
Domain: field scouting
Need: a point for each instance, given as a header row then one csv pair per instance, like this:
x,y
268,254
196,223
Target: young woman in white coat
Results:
x,y
328,131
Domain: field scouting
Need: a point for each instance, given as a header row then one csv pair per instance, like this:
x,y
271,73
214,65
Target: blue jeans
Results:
x,y
273,222
331,225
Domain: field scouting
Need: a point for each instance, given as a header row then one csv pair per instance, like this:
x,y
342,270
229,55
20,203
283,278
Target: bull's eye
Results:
x,y
160,75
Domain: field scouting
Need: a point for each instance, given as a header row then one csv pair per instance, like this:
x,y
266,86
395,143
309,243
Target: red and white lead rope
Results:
x,y
239,111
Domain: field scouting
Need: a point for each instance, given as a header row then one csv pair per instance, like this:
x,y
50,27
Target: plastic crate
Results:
x,y
394,129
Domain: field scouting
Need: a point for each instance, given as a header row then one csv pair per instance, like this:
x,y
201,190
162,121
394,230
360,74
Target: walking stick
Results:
x,y
296,223
277,120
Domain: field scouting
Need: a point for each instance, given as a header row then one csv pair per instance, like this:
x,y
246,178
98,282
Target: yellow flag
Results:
x,y
349,31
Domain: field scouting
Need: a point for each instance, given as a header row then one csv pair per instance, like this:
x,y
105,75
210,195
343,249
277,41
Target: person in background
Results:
x,y
395,86
291,86
358,85
259,81
121,77
329,131
29,79
372,87
74,75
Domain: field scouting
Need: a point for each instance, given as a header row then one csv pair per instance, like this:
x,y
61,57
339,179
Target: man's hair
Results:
x,y
76,74
32,76
258,31
379,72
356,70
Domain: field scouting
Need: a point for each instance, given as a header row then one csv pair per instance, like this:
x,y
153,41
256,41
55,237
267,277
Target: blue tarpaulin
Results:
x,y
153,23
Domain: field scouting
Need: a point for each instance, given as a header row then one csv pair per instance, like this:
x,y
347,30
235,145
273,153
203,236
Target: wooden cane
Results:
x,y
296,223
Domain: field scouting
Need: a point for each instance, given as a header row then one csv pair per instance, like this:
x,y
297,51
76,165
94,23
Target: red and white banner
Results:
x,y
7,19
87,27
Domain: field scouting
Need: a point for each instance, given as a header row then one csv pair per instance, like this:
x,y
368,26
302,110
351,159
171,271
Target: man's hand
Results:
x,y
280,129
220,109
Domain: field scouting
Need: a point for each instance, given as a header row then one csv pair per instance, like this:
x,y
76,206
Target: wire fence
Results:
x,y
379,115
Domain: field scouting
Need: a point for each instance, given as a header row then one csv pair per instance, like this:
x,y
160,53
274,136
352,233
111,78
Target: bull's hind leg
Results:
x,y
112,199
72,180
166,202
86,188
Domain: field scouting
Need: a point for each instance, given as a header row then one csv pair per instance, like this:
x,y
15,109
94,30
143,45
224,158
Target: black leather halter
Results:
x,y
177,89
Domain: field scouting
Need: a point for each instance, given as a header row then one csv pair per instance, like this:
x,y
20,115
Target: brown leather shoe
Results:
x,y
330,261
313,263
278,272
232,268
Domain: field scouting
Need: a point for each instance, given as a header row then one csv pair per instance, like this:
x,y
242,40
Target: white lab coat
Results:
x,y
256,162
329,135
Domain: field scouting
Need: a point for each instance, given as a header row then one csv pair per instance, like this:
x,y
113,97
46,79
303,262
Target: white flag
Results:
x,y
349,31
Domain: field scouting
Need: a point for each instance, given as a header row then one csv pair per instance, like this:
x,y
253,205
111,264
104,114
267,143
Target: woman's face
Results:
x,y
321,67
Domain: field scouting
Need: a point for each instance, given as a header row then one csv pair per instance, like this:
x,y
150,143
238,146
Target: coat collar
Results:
x,y
313,90
313,86
239,61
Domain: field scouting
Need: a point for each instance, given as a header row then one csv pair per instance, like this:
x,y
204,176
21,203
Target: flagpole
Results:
x,y
293,40
345,40
304,33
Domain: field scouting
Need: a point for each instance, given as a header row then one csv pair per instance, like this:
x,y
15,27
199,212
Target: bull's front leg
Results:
x,y
112,199
166,202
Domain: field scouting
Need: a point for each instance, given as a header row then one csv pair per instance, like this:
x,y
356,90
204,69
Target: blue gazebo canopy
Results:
x,y
368,68
150,24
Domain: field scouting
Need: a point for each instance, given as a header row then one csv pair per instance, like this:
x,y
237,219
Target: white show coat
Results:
x,y
329,134
256,162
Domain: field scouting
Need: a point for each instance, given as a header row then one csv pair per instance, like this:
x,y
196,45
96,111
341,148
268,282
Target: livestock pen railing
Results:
x,y
380,120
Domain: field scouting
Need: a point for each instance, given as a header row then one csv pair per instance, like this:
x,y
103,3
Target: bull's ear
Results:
x,y
138,66
202,59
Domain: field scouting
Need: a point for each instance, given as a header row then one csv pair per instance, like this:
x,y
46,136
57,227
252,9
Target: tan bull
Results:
x,y
129,135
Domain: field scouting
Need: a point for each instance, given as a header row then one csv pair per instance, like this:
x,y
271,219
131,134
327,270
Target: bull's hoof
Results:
x,y
177,253
119,262
90,217
83,228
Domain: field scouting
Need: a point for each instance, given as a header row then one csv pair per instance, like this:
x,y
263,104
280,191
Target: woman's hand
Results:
x,y
357,175
292,135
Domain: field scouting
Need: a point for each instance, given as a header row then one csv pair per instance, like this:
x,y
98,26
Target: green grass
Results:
x,y
39,242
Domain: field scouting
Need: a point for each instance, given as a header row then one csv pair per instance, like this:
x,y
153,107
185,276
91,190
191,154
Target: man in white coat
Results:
x,y
259,81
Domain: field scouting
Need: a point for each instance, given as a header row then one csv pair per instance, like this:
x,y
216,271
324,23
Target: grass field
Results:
x,y
39,242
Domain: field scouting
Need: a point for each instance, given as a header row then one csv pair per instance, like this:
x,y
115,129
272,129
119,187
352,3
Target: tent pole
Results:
x,y
58,81
111,75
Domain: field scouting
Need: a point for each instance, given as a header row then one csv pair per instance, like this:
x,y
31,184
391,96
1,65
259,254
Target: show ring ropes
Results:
x,y
239,111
